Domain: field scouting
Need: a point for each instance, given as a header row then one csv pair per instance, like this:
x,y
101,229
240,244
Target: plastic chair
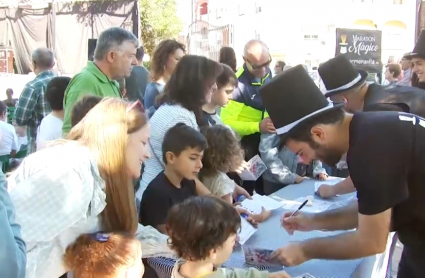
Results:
x,y
4,159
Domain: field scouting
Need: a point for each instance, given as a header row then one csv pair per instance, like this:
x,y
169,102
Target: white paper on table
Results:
x,y
317,184
256,169
314,205
255,204
247,230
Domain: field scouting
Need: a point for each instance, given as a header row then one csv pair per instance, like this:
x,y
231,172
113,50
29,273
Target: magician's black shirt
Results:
x,y
395,98
386,160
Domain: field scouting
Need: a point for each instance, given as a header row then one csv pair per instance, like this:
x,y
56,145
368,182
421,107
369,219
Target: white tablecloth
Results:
x,y
271,235
373,266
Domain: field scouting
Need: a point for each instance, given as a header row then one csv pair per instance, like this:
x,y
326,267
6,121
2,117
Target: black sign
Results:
x,y
362,48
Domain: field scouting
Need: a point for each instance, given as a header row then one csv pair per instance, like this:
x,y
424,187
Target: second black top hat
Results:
x,y
419,50
339,75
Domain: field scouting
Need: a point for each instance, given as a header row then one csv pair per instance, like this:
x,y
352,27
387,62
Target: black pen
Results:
x,y
299,208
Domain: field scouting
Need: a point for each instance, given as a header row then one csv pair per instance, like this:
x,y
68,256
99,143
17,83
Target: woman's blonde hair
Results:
x,y
104,130
102,255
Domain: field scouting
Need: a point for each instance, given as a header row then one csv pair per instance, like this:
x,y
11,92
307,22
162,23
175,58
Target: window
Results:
x,y
257,8
218,13
204,9
242,9
257,35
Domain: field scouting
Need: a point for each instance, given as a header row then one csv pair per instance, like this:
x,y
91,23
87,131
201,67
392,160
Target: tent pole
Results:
x,y
53,26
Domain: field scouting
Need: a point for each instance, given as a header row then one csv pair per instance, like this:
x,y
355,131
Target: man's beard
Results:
x,y
327,155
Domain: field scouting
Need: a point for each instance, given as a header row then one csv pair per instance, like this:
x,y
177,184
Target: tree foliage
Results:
x,y
158,21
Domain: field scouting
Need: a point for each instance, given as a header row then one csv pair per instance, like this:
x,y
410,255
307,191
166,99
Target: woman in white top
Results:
x,y
83,185
189,87
51,126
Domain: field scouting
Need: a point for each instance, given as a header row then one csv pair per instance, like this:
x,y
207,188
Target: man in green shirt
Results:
x,y
114,57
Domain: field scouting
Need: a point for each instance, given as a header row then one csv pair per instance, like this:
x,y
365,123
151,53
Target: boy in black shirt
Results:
x,y
183,148
386,159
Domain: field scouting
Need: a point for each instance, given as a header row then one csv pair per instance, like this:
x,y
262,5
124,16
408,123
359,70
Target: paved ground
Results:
x,y
396,259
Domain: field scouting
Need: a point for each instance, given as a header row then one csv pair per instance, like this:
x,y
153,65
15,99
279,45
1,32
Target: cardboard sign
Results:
x,y
361,47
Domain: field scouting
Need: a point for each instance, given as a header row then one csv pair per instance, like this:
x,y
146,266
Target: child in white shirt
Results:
x,y
51,126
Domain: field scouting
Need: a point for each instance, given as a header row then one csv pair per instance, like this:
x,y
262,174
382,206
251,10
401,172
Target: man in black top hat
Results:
x,y
385,156
344,83
418,57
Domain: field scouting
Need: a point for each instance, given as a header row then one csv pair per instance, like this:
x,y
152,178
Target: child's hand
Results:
x,y
263,216
247,215
299,179
322,177
252,221
241,167
239,190
280,274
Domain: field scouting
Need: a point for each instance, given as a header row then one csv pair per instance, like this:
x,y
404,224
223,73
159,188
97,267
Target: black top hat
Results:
x,y
407,56
339,75
292,97
419,50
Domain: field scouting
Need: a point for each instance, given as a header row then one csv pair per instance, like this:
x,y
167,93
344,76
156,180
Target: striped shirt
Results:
x,y
164,118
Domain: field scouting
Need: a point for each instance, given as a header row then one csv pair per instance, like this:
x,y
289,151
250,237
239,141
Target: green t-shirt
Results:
x,y
89,81
224,272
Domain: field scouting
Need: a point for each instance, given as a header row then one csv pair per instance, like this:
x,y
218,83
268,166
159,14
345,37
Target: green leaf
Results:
x,y
158,21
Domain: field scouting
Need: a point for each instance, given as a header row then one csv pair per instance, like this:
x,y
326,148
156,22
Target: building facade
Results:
x,y
303,31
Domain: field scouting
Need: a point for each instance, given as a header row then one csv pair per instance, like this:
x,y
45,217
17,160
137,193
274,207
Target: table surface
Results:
x,y
271,235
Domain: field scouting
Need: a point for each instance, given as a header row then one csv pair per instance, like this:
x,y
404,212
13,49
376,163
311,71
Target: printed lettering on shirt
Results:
x,y
412,119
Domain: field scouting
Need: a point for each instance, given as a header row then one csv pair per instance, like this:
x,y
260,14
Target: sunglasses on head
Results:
x,y
258,67
137,105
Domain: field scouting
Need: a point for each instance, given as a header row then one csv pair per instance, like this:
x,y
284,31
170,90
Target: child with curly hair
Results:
x,y
222,155
105,255
202,232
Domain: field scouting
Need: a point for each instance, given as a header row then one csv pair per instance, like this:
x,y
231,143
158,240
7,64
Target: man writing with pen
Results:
x,y
386,159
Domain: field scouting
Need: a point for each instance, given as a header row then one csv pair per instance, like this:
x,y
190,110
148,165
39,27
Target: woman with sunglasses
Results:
x,y
83,184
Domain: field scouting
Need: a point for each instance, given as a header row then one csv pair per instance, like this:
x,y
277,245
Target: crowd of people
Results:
x,y
125,164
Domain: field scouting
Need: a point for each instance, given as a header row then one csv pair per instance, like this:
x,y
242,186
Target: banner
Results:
x,y
361,47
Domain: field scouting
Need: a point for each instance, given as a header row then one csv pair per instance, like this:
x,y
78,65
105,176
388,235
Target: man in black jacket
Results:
x,y
344,83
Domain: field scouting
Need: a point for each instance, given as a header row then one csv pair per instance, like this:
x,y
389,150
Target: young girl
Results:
x,y
226,84
222,156
105,255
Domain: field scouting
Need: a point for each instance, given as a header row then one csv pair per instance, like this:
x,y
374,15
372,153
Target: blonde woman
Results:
x,y
82,185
